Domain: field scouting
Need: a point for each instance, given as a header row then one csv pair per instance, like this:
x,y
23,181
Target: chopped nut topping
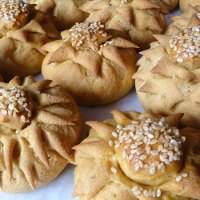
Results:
x,y
13,102
10,9
137,190
186,45
82,33
147,138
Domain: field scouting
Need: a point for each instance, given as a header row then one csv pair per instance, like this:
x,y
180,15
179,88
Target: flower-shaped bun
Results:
x,y
134,20
167,80
185,4
39,125
94,67
66,12
23,31
138,156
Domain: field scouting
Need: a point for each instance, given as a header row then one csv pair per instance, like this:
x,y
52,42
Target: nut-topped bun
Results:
x,y
185,4
23,31
167,80
186,19
66,12
39,125
138,156
94,67
13,15
134,20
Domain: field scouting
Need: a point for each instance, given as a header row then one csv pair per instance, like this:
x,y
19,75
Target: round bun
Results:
x,y
39,125
23,31
167,80
66,12
185,4
94,67
134,20
137,156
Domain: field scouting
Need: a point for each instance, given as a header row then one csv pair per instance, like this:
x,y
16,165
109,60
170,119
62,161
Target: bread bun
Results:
x,y
23,31
137,156
167,80
134,20
66,12
94,67
39,125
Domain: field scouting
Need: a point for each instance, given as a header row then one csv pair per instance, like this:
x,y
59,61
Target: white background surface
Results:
x,y
62,187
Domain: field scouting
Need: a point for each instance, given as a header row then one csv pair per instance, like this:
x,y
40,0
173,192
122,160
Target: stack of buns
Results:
x,y
86,51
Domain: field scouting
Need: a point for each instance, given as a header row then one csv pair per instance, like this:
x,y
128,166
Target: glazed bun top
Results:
x,y
147,149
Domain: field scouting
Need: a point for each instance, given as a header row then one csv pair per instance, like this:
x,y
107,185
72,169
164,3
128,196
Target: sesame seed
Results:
x,y
123,1
113,170
152,170
146,193
114,134
184,175
135,188
178,178
110,143
158,193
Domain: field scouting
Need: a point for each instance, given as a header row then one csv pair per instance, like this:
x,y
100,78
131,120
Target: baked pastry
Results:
x,y
39,125
66,12
186,19
167,80
138,156
134,20
94,67
166,5
185,4
23,31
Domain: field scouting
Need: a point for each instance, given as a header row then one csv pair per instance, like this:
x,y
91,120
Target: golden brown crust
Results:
x,y
166,5
13,15
21,52
94,67
167,80
102,172
185,4
66,12
185,20
127,20
39,126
